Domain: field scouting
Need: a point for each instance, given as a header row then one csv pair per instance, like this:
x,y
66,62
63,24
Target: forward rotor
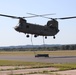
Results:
x,y
15,17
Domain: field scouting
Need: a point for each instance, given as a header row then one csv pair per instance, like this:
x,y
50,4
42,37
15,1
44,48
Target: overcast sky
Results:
x,y
62,8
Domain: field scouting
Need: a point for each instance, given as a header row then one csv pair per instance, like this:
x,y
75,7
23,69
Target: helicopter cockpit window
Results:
x,y
22,22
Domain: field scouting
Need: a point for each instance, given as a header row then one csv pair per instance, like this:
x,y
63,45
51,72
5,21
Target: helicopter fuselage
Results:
x,y
36,29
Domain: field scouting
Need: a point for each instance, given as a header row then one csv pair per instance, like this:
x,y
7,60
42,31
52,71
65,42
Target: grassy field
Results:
x,y
58,53
66,66
37,64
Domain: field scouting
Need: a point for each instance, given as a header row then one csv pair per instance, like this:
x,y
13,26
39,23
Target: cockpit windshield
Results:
x,y
22,22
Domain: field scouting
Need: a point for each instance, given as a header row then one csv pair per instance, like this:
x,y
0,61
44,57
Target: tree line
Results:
x,y
56,47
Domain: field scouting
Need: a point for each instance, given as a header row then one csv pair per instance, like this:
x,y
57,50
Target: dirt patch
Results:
x,y
25,71
11,67
68,72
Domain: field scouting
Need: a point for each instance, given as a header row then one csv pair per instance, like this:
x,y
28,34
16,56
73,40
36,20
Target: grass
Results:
x,y
58,53
66,66
23,63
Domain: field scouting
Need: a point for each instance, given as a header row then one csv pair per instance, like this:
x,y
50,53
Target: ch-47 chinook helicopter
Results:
x,y
50,29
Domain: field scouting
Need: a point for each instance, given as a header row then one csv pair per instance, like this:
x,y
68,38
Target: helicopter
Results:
x,y
49,29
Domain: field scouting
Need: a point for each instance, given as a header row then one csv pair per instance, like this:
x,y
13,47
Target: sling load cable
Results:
x,y
32,44
43,42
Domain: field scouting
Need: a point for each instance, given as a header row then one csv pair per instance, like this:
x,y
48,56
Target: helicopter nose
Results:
x,y
16,28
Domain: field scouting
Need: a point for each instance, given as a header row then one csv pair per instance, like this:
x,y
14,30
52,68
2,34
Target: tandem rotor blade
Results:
x,y
10,16
63,18
43,15
66,18
15,17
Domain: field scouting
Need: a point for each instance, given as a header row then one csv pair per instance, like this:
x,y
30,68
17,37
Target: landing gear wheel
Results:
x,y
27,36
35,36
45,37
53,37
